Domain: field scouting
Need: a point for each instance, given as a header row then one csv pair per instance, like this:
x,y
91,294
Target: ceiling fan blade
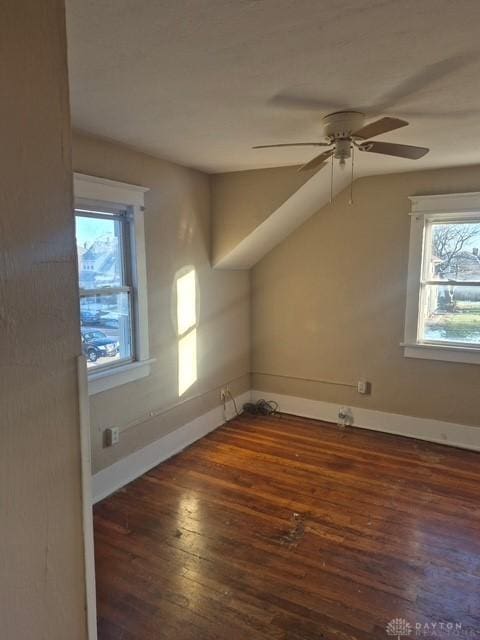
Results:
x,y
398,150
292,144
317,162
379,126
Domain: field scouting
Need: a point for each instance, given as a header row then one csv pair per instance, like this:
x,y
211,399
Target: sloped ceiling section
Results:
x,y
239,244
242,200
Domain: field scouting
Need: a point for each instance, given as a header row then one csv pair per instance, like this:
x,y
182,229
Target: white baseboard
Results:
x,y
127,469
449,433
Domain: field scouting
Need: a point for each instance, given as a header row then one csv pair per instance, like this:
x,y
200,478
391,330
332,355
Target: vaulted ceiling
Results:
x,y
201,81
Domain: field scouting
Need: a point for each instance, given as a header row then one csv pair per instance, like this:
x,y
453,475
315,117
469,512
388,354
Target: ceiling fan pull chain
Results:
x,y
331,183
351,177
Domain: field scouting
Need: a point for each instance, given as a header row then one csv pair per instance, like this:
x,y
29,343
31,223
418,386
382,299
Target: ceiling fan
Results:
x,y
345,131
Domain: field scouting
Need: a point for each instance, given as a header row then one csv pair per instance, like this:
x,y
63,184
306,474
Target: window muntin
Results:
x,y
449,310
105,283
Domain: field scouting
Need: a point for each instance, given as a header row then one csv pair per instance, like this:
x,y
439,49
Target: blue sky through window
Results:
x,y
87,230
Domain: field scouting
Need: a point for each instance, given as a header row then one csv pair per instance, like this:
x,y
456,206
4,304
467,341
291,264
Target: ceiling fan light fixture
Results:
x,y
342,150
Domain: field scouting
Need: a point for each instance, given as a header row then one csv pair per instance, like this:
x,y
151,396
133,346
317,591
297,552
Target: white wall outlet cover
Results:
x,y
363,386
112,436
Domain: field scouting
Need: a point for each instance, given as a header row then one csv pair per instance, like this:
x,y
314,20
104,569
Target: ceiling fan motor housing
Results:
x,y
342,124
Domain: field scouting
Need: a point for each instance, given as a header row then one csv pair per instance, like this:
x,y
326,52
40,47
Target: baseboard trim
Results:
x,y
117,475
448,433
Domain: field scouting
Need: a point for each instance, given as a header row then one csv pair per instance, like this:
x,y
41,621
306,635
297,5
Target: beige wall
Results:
x,y
329,303
42,587
177,230
243,199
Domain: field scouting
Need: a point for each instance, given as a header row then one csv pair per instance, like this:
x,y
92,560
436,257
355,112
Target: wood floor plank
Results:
x,y
284,528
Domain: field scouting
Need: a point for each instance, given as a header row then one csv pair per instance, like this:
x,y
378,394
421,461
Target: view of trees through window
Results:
x,y
105,295
451,289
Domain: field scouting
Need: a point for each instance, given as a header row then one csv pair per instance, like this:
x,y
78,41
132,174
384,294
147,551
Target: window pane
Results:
x,y
451,314
106,328
454,251
186,302
100,255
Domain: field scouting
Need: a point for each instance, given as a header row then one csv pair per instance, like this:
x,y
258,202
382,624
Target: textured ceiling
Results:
x,y
201,81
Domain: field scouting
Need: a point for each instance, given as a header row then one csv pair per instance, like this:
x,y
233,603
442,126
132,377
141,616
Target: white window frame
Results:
x,y
94,190
426,209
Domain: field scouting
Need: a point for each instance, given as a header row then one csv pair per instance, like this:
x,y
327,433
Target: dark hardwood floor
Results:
x,y
291,529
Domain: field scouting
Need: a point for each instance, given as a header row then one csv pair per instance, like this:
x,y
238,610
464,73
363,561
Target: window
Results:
x,y
443,297
105,282
112,281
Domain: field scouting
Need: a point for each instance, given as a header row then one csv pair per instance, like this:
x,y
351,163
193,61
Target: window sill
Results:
x,y
103,380
445,353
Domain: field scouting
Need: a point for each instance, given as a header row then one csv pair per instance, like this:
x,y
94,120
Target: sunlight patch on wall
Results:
x,y
187,361
186,302
187,330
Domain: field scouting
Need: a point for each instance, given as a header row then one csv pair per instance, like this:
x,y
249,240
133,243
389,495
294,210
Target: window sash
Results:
x,y
124,219
422,318
131,317
102,215
97,209
427,247
121,215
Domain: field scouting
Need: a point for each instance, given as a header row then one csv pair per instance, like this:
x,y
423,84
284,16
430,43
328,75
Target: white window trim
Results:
x,y
425,209
103,190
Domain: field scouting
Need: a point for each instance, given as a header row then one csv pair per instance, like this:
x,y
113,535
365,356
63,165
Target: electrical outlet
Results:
x,y
363,386
112,436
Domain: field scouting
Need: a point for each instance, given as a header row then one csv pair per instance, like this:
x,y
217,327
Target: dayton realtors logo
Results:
x,y
398,627
401,628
